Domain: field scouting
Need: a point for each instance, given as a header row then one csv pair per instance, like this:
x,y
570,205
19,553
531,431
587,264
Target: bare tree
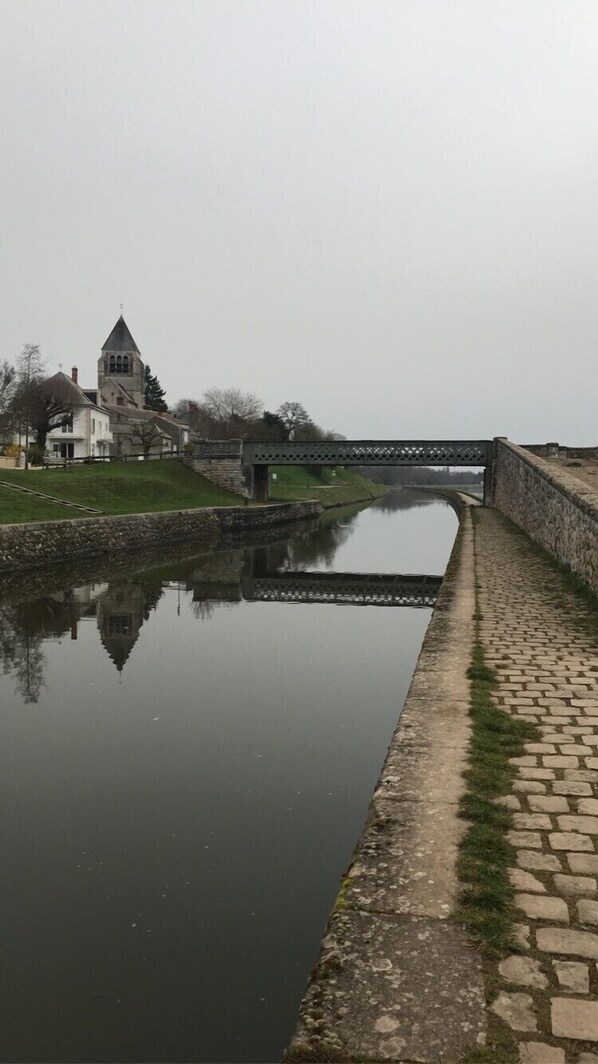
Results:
x,y
43,404
308,431
147,434
294,416
232,407
8,383
30,370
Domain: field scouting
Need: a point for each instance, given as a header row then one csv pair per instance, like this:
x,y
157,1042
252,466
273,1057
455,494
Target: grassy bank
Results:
x,y
143,487
337,487
115,488
16,508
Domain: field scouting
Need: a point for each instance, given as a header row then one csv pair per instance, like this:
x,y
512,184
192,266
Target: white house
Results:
x,y
87,433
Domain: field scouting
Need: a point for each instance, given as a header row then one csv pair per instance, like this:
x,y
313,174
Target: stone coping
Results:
x,y
397,979
568,485
235,511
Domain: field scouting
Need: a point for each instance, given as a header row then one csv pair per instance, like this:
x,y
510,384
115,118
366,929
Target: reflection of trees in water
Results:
x,y
319,546
204,609
405,500
21,641
26,626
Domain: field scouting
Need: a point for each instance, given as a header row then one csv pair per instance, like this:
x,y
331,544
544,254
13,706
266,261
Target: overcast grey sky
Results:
x,y
386,210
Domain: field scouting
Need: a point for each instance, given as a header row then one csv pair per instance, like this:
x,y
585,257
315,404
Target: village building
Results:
x,y
112,419
87,432
121,390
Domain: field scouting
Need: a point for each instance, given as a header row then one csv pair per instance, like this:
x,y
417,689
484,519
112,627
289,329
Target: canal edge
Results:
x,y
397,977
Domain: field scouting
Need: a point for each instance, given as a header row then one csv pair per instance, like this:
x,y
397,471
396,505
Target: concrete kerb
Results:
x,y
397,979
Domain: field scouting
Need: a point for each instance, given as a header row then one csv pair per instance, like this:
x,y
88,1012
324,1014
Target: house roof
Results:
x,y
120,338
165,421
75,394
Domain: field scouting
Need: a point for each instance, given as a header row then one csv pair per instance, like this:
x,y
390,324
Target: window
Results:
x,y
117,365
68,425
120,401
93,426
119,624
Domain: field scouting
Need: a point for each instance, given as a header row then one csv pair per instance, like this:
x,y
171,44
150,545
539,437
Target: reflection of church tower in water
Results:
x,y
121,613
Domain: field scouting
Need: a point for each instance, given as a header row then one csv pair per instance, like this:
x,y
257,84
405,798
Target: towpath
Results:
x,y
537,635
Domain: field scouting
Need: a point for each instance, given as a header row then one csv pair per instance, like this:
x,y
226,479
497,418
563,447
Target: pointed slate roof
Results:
x,y
120,338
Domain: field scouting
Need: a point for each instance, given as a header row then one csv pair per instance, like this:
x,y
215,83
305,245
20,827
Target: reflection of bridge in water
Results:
x,y
349,589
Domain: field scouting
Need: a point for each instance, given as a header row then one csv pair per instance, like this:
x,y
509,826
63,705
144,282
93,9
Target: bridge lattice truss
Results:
x,y
370,452
344,589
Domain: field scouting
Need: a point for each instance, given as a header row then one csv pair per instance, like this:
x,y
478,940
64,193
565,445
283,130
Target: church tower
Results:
x,y
120,369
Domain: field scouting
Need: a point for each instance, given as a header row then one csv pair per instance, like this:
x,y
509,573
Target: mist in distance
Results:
x,y
385,210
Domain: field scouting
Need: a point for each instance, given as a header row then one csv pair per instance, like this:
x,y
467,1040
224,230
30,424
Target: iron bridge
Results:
x,y
370,452
343,589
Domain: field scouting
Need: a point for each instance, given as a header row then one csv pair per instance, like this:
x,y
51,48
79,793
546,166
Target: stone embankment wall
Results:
x,y
556,450
557,510
49,542
226,473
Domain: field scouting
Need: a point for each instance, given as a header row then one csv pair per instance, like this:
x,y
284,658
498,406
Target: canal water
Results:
x,y
184,773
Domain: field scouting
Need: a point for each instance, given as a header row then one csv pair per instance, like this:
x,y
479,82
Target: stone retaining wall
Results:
x,y
226,473
556,509
49,542
557,450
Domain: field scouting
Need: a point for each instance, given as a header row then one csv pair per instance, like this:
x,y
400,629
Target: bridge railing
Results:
x,y
356,589
217,448
370,452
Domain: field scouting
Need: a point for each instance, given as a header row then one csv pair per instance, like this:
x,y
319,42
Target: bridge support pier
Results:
x,y
260,483
488,485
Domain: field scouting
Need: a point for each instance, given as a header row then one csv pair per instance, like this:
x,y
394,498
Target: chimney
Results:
x,y
75,375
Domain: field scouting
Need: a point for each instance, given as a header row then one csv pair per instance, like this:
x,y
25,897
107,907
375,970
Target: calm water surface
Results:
x,y
184,775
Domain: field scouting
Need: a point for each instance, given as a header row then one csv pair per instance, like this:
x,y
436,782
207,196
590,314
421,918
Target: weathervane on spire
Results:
x,y
121,309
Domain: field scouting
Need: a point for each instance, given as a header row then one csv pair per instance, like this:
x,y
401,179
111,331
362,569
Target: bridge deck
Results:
x,y
370,452
354,589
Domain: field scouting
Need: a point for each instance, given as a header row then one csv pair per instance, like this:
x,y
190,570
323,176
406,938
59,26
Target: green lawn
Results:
x,y
16,508
141,487
113,488
318,482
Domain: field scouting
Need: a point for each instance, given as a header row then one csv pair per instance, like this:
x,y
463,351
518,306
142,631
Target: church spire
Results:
x,y
120,339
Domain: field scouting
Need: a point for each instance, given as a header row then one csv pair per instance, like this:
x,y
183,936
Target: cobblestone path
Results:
x,y
547,663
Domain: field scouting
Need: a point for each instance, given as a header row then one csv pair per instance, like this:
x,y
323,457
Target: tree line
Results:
x,y
228,413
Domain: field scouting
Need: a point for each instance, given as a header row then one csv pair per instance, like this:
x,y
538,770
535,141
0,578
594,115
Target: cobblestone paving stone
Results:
x,y
547,664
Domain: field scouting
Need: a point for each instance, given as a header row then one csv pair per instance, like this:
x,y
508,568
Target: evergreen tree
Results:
x,y
153,395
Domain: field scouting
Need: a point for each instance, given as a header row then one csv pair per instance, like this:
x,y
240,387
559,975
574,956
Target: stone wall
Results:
x,y
556,450
226,473
556,509
49,542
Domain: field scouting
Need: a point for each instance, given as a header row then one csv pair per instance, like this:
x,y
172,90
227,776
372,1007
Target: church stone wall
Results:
x,y
132,382
558,511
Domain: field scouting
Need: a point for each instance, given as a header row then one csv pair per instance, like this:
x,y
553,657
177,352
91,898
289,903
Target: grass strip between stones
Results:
x,y
485,853
485,905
